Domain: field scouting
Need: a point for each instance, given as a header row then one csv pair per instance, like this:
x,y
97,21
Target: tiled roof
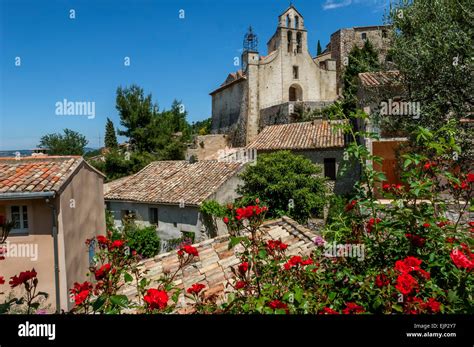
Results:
x,y
305,135
381,78
213,266
173,181
36,174
231,78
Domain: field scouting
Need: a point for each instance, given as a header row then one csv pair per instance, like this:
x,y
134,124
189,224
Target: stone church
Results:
x,y
270,89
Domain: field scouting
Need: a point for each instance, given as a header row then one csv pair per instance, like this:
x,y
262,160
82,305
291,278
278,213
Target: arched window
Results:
x,y
297,22
288,21
290,39
295,93
298,43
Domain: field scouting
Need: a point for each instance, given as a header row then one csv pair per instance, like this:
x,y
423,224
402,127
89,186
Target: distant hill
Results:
x,y
27,152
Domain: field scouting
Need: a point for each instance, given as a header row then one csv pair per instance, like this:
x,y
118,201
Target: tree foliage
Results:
x,y
69,143
433,48
110,136
290,184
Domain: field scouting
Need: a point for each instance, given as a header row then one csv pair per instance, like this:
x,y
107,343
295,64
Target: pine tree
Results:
x,y
319,49
110,137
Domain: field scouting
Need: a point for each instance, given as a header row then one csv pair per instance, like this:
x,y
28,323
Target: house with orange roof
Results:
x,y
49,206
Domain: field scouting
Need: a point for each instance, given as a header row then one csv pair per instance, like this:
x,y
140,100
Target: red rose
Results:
x,y
22,278
226,220
116,244
327,310
381,281
308,261
102,272
450,239
371,223
276,244
461,260
80,297
350,205
277,304
2,280
240,284
79,287
257,200
102,240
196,288
353,308
189,250
243,267
432,305
426,225
156,299
406,283
470,177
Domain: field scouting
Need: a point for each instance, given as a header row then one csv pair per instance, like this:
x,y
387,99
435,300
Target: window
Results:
x,y
330,168
297,22
384,33
290,38
19,217
153,215
288,21
298,43
363,36
295,72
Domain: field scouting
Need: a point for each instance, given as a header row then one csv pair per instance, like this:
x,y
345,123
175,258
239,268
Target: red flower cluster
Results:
x,y
393,188
350,205
353,308
471,227
297,260
406,283
428,165
102,240
240,284
226,220
382,280
465,185
23,278
277,304
328,310
416,240
243,268
81,292
2,280
371,223
276,244
249,211
116,244
461,260
188,250
156,299
416,305
196,288
102,271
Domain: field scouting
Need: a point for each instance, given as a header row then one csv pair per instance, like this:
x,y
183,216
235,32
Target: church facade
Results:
x,y
272,89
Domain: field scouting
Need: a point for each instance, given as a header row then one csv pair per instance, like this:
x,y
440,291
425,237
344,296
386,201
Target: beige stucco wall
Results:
x,y
39,240
76,224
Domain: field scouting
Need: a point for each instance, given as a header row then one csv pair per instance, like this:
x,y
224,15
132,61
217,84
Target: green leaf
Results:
x,y
98,303
127,277
119,300
234,241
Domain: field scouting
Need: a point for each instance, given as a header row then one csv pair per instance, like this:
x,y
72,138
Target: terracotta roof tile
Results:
x,y
305,135
36,174
173,181
381,78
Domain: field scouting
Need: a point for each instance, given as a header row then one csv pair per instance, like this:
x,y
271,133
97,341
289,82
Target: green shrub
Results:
x,y
144,241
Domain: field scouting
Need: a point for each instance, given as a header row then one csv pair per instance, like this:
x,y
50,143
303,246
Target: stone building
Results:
x,y
323,142
343,40
270,88
168,195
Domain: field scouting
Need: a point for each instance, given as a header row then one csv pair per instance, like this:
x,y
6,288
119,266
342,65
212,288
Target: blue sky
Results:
x,y
82,59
